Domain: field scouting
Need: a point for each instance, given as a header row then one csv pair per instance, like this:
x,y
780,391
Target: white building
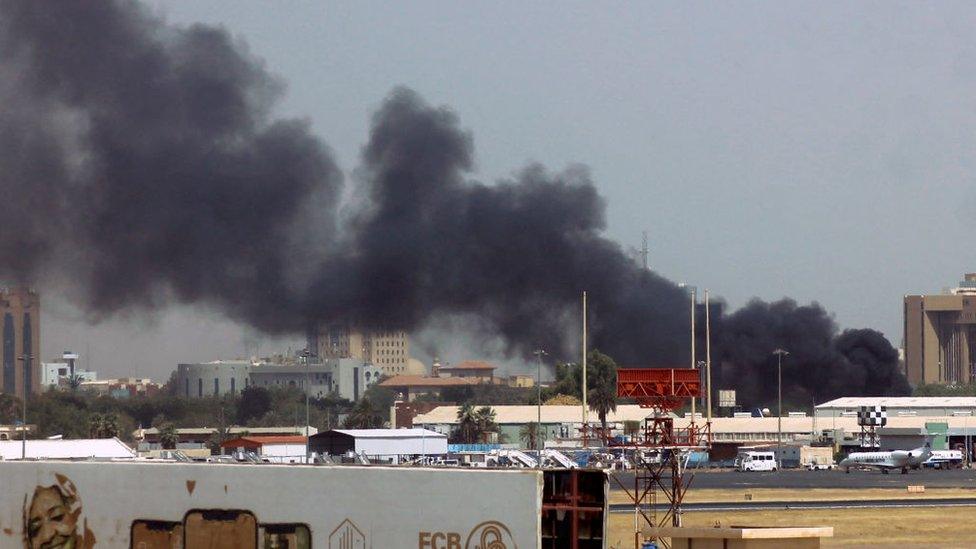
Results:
x,y
382,444
99,448
900,406
275,449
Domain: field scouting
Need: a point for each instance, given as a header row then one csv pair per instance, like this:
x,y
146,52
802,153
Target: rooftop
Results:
x,y
387,433
261,441
99,448
424,381
469,365
901,402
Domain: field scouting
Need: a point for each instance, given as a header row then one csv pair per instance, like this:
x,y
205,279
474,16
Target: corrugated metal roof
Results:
x,y
389,433
901,402
103,448
469,365
262,441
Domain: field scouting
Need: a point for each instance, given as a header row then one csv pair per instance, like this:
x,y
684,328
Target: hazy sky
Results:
x,y
820,151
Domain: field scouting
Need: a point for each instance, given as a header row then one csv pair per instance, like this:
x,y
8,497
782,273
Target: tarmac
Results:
x,y
801,478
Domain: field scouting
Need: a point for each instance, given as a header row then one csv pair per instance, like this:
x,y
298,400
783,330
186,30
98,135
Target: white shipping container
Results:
x,y
122,505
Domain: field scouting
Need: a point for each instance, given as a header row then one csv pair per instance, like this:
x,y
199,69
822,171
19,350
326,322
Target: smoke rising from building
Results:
x,y
162,177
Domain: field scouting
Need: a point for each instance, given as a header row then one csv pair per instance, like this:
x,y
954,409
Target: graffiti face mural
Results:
x,y
52,518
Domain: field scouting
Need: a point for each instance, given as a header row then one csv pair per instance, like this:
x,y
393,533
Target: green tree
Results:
x,y
364,415
467,429
485,421
601,378
168,436
253,404
529,434
103,425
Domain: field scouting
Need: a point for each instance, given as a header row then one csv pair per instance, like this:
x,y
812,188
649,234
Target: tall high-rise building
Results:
x,y
940,335
388,350
20,325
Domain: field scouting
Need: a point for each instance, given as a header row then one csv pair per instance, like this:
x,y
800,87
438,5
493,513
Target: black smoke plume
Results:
x,y
141,162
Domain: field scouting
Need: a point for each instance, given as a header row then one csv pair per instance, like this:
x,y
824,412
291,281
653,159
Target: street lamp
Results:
x,y
539,353
780,353
27,360
305,355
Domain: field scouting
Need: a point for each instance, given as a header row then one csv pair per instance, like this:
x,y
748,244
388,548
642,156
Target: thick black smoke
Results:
x,y
821,364
139,160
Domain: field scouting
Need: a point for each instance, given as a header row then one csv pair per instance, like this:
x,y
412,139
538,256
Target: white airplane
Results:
x,y
886,461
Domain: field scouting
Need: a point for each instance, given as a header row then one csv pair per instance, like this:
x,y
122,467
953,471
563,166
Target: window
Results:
x,y
220,528
155,533
216,386
200,387
233,387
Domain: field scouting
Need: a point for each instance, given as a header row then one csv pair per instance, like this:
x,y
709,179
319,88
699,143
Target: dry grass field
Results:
x,y
943,527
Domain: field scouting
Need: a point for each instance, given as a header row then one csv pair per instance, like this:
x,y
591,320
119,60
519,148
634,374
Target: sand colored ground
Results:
x,y
808,494
943,527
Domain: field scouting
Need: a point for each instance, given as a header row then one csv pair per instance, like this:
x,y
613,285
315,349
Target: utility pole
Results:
x,y
538,426
306,355
780,353
694,365
585,409
708,359
27,360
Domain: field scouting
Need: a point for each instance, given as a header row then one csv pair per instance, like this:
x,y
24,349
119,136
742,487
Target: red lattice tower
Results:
x,y
662,390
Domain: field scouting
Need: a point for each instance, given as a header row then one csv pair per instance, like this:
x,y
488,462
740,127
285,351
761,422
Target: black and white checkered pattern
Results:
x,y
874,416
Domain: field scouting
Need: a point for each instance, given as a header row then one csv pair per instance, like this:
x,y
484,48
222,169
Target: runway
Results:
x,y
930,478
796,505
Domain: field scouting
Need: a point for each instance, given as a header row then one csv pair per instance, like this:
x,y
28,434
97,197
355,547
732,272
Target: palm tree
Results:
x,y
103,425
74,382
529,434
602,393
467,430
363,416
168,436
485,421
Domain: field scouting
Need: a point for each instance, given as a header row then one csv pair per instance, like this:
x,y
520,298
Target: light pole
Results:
x,y
780,353
539,353
305,358
27,360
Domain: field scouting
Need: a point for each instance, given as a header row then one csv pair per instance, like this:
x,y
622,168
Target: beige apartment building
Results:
x,y
388,350
20,326
940,335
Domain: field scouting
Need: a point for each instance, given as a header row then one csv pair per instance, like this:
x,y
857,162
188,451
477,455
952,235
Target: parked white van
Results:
x,y
755,461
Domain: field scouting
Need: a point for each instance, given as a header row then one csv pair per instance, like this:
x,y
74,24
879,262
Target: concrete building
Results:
x,y
411,387
123,387
57,374
940,335
389,350
477,370
20,325
347,377
217,378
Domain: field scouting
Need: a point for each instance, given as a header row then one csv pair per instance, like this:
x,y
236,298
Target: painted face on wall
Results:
x,y
51,518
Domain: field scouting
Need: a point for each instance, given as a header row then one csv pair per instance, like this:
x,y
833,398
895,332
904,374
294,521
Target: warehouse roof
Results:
x,y
387,433
901,402
98,448
237,431
262,441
